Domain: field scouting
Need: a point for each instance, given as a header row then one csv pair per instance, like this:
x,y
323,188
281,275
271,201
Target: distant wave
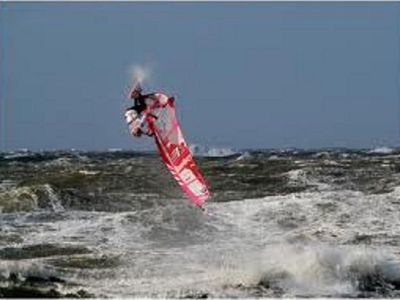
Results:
x,y
244,156
115,150
382,150
198,150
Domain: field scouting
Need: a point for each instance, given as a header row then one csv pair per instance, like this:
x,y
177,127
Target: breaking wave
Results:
x,y
316,271
27,280
29,198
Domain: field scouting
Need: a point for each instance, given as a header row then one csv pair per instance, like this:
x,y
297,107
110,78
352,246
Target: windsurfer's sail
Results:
x,y
162,121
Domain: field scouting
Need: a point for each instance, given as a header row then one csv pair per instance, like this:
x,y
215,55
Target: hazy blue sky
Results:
x,y
244,74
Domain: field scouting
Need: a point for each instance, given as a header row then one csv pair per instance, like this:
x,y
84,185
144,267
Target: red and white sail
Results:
x,y
162,121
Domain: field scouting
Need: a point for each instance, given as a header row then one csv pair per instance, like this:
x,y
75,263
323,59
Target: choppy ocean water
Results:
x,y
281,223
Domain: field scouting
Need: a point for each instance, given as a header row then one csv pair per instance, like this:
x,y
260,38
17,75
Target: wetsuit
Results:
x,y
140,103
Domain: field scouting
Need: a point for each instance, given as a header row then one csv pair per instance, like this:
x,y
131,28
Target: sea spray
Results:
x,y
138,74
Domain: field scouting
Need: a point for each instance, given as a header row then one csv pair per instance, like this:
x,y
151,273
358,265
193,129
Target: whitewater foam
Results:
x,y
301,225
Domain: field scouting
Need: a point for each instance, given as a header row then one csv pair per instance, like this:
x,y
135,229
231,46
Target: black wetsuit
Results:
x,y
140,103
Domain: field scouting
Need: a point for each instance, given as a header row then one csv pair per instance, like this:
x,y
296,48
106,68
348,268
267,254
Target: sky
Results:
x,y
244,75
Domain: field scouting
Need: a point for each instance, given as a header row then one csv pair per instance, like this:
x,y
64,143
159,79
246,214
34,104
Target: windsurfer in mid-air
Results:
x,y
154,115
133,114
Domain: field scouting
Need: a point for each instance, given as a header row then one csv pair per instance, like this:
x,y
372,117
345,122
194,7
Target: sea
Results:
x,y
280,223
